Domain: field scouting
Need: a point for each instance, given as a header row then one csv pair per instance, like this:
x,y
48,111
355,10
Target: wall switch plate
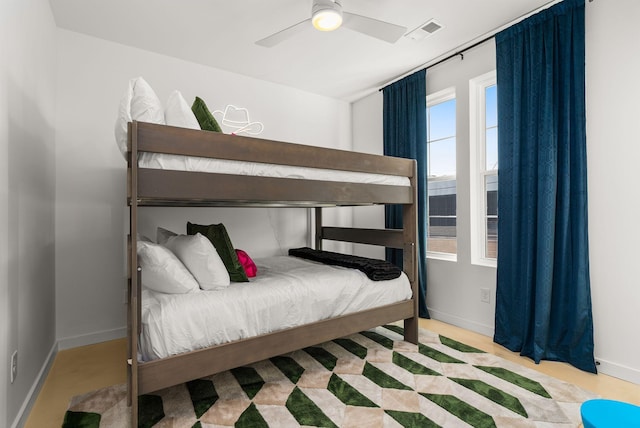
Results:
x,y
485,295
14,365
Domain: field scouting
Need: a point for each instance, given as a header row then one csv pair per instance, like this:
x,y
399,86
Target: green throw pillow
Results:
x,y
219,237
204,116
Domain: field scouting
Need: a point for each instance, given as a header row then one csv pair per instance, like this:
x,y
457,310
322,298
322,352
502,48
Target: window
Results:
x,y
484,169
441,173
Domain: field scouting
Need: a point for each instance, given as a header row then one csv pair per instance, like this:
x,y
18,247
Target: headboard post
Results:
x,y
134,301
319,228
410,255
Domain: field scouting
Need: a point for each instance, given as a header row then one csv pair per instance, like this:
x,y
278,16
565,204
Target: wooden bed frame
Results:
x,y
150,187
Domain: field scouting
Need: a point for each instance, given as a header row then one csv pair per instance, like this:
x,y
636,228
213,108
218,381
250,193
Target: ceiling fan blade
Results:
x,y
373,27
282,35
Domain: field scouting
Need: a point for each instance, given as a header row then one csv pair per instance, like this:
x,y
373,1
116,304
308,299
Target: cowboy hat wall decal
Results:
x,y
237,118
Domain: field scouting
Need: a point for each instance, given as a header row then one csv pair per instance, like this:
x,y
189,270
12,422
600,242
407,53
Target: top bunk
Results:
x,y
186,167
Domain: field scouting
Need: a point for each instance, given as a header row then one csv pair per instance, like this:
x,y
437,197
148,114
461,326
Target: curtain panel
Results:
x,y
405,135
543,298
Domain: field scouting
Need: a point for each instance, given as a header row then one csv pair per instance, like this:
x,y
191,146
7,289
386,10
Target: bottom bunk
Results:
x,y
287,292
293,303
158,374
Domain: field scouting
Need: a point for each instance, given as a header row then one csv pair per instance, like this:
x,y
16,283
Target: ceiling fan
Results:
x,y
327,15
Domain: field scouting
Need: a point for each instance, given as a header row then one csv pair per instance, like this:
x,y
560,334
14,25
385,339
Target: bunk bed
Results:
x,y
151,186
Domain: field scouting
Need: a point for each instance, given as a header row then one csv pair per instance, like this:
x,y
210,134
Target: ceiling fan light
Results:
x,y
326,15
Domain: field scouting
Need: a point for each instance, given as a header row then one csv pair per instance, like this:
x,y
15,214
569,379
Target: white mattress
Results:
x,y
287,292
221,166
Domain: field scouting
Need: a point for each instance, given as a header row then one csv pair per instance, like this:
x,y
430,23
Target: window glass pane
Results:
x,y
491,245
484,169
441,170
491,147
442,235
441,158
491,186
491,103
491,250
442,120
442,216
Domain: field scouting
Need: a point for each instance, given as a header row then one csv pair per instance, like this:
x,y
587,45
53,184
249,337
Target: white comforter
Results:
x,y
287,292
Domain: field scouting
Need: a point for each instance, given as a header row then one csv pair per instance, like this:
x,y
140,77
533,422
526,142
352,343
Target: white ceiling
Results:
x,y
342,64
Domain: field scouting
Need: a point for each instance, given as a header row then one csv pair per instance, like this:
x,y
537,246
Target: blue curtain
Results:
x,y
405,135
543,302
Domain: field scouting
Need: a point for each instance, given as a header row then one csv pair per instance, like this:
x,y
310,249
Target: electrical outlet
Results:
x,y
485,295
14,365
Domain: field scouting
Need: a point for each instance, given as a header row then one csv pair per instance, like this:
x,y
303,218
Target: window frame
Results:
x,y
438,97
477,168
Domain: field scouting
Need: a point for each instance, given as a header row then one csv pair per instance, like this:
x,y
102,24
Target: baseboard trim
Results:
x,y
91,338
618,371
62,344
461,322
29,401
608,368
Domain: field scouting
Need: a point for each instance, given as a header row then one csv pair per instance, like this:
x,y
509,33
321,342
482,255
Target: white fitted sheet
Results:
x,y
287,292
222,166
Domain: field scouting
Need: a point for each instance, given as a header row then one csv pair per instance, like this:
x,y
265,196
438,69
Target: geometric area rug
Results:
x,y
370,379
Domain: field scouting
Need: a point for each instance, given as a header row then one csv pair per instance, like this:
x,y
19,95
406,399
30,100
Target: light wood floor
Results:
x,y
80,370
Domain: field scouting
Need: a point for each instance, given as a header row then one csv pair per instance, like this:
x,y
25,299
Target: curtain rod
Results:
x,y
459,51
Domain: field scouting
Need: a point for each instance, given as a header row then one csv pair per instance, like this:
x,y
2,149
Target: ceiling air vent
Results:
x,y
425,30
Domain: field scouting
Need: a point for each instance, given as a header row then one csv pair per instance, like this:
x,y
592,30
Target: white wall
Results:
x,y
4,216
91,214
27,175
453,291
366,116
613,148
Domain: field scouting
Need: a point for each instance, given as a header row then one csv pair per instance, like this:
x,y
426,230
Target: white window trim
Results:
x,y
432,99
477,116
441,96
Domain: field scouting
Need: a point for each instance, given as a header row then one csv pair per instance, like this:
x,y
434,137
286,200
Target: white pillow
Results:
x,y
163,234
143,238
199,255
178,113
162,271
139,102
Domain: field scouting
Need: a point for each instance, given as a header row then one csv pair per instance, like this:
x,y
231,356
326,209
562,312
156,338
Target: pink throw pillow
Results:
x,y
249,266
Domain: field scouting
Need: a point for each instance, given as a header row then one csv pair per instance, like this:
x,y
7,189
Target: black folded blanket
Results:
x,y
376,270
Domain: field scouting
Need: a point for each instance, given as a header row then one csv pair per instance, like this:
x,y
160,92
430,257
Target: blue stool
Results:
x,y
609,414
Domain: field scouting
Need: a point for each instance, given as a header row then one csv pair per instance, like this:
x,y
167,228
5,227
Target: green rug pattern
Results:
x,y
371,379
